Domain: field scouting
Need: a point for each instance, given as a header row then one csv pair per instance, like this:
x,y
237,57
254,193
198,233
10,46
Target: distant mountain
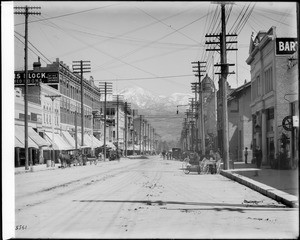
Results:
x,y
143,99
160,111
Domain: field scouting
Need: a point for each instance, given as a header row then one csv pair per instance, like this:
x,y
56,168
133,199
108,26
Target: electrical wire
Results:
x,y
68,14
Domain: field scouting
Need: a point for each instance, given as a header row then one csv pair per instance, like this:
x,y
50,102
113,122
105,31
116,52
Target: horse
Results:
x,y
65,160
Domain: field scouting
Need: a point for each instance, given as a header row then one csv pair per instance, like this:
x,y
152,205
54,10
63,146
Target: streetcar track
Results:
x,y
86,181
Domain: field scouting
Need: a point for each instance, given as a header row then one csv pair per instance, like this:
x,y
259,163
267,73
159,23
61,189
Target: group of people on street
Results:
x,y
167,155
210,160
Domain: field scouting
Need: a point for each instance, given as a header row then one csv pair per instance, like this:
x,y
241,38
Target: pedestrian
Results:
x,y
246,154
258,157
164,154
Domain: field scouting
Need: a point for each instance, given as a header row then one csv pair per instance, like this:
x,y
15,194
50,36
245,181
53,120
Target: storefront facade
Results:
x,y
274,93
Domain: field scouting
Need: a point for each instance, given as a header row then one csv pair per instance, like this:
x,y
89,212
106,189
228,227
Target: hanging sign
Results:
x,y
286,46
35,78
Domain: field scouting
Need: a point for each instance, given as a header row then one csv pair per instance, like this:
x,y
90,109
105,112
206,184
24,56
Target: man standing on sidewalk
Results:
x,y
258,157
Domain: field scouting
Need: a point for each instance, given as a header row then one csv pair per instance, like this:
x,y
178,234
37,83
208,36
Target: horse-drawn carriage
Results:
x,y
193,163
76,159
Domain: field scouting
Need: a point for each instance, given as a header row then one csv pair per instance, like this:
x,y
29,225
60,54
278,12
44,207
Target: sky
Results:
x,y
147,44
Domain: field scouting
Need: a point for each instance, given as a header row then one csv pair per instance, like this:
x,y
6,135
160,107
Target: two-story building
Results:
x,y
274,94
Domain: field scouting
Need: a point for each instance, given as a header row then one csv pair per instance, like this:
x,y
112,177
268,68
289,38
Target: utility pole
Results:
x,y
134,112
192,124
144,136
53,97
140,135
223,82
75,123
126,109
153,136
106,88
26,11
118,98
199,69
148,137
125,128
81,67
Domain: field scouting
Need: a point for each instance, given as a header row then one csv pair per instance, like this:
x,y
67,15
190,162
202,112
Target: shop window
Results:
x,y
33,117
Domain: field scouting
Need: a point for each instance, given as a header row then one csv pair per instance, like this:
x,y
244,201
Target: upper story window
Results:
x,y
268,80
256,88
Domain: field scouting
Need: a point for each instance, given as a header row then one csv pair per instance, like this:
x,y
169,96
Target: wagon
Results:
x,y
188,166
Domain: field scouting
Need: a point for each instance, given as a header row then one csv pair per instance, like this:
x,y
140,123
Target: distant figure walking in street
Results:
x,y
258,157
246,154
163,154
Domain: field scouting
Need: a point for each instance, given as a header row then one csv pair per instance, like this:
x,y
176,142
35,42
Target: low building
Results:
x,y
240,123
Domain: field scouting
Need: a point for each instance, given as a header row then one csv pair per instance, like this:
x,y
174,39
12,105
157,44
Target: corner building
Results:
x,y
274,95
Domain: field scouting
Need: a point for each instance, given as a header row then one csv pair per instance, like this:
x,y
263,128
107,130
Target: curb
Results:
x,y
280,196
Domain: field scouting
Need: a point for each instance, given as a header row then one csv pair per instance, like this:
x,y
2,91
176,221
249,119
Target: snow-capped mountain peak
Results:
x,y
143,99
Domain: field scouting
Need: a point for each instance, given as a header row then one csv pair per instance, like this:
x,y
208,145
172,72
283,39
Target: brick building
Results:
x,y
57,79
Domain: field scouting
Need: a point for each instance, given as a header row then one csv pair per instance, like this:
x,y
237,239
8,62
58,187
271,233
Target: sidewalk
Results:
x,y
43,167
280,185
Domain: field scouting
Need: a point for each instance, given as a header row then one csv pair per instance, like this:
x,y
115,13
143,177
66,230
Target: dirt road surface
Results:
x,y
144,198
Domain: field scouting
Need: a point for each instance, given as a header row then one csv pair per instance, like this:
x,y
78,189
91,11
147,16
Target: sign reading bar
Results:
x,y
286,46
36,77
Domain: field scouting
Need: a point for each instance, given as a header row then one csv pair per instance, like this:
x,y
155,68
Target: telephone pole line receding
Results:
x,y
81,67
201,130
140,135
223,110
26,11
105,88
118,98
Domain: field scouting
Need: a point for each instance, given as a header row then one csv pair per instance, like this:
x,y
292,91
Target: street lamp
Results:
x,y
53,97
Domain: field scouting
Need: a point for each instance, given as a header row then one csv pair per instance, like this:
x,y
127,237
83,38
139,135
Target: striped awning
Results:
x,y
89,141
59,143
18,143
96,142
20,135
67,136
41,142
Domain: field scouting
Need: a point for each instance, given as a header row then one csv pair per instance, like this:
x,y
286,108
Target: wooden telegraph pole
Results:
x,y
105,88
81,67
223,82
26,11
199,69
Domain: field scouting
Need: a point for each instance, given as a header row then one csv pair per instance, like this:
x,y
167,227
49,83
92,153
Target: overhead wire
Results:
x,y
32,49
68,14
154,41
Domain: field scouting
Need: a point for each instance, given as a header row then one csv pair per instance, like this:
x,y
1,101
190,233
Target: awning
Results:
x,y
20,135
18,143
86,142
59,143
110,145
70,140
41,142
96,142
136,147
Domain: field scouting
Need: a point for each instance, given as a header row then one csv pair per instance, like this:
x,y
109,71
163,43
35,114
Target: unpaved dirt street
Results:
x,y
144,198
